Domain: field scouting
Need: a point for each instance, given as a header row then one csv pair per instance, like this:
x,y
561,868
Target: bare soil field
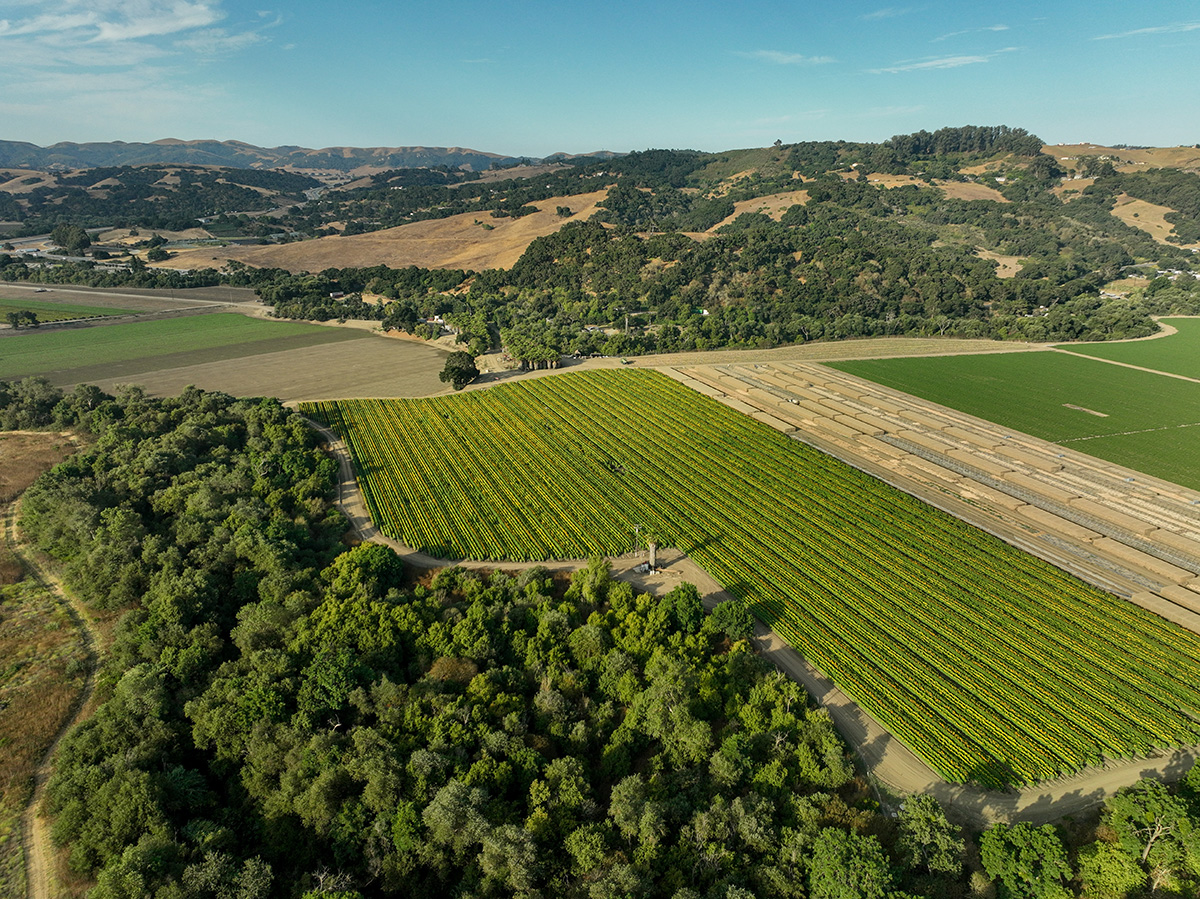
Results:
x,y
460,241
1148,217
144,300
1006,266
375,366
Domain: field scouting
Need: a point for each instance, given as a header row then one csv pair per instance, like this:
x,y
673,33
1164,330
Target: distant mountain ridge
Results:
x,y
237,154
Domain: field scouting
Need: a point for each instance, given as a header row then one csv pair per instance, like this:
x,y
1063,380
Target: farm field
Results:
x,y
373,366
1178,353
126,350
991,665
1138,419
55,312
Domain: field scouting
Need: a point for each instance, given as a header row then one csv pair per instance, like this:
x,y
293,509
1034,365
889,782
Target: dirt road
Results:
x,y
35,829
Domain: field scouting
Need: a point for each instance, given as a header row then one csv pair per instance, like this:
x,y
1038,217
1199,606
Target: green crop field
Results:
x,y
55,312
1148,422
127,349
1177,353
990,664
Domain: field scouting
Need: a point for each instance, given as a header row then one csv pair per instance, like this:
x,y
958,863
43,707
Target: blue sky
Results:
x,y
534,77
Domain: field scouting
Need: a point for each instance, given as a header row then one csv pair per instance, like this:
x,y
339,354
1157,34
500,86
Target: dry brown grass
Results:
x,y
1127,285
460,241
1072,189
1147,217
1006,266
969,190
123,237
22,458
43,661
883,179
772,205
1130,160
13,185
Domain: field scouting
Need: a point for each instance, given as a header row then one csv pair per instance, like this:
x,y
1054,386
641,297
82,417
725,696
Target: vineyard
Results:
x,y
992,665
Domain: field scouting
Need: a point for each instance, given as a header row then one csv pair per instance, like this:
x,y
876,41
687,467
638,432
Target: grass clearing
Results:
x,y
1177,353
125,350
1147,417
1147,217
990,664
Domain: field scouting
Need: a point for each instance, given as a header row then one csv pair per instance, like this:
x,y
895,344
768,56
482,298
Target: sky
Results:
x,y
532,77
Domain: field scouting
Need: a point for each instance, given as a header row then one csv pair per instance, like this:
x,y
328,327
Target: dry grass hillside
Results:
x,y
460,241
23,181
1149,217
1130,160
772,205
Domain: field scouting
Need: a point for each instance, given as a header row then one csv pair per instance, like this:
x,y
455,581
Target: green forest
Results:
x,y
854,260
282,715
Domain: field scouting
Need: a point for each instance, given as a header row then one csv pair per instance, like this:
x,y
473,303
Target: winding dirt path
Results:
x,y
35,829
885,759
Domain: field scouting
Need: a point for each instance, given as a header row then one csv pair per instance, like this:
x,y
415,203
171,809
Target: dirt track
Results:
x,y
35,830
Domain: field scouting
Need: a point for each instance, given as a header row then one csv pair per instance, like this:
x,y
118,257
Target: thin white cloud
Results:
x,y
939,62
946,37
1177,28
216,41
119,32
888,12
155,19
96,62
787,59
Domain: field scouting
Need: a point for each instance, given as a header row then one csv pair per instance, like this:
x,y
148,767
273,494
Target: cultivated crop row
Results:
x,y
990,664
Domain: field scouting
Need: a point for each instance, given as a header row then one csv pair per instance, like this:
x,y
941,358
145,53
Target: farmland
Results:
x,y
1178,353
993,666
54,312
70,356
1139,419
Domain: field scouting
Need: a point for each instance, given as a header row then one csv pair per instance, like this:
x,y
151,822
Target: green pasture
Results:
x,y
1146,420
123,349
55,312
1178,353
